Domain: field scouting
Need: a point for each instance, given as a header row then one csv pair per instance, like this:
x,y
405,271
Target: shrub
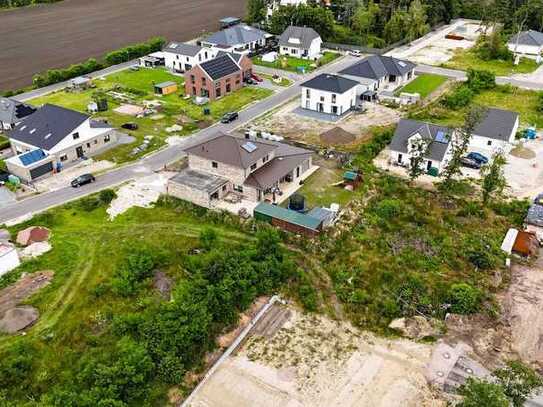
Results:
x,y
540,102
481,80
519,382
208,238
90,203
388,209
137,266
460,97
464,298
478,393
106,196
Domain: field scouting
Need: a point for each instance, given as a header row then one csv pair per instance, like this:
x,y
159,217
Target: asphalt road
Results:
x,y
48,36
159,159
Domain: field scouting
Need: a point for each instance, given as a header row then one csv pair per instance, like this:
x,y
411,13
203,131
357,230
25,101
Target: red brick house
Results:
x,y
219,76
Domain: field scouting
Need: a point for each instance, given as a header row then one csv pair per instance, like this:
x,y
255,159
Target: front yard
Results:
x,y
424,84
464,59
137,87
293,64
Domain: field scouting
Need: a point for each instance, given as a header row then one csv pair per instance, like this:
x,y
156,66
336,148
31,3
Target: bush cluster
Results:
x,y
463,95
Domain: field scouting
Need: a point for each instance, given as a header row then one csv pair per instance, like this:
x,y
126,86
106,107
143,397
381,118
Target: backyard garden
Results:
x,y
294,64
137,88
424,84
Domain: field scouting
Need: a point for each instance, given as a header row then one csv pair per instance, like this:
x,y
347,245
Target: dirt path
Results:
x,y
55,35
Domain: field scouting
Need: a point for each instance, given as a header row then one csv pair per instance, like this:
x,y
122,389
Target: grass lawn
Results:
x,y
522,101
284,81
139,86
4,142
424,84
292,64
466,59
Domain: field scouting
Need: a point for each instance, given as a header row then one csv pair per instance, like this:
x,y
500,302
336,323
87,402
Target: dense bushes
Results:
x,y
126,54
462,95
137,265
459,98
23,3
464,298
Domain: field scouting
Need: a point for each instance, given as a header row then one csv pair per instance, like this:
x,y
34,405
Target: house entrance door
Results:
x,y
79,152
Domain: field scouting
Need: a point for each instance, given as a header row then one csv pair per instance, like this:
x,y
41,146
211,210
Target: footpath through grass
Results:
x,y
424,84
468,59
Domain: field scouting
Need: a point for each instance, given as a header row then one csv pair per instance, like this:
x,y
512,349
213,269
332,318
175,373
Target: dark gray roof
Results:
x,y
220,66
407,128
13,111
235,56
200,181
182,48
304,35
228,149
238,34
48,126
529,37
378,66
535,215
165,84
286,159
330,83
497,124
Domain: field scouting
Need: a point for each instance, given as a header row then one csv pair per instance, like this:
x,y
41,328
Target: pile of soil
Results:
x,y
18,318
337,136
32,234
203,124
523,152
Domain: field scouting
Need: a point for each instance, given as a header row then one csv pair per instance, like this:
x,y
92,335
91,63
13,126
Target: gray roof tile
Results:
x,y
378,66
529,37
497,124
182,48
330,83
305,36
13,111
238,34
407,128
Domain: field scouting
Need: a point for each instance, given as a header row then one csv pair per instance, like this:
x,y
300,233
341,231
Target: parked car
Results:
x,y
355,53
257,78
4,176
481,159
249,81
229,117
130,126
468,162
83,180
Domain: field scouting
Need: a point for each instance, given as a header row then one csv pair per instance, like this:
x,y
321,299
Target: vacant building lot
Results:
x,y
315,362
175,115
38,38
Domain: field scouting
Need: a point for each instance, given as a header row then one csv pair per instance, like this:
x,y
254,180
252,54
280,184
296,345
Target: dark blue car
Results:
x,y
481,159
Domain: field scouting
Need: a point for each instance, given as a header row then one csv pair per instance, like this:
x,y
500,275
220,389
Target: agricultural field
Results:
x,y
424,85
293,64
137,86
126,300
464,59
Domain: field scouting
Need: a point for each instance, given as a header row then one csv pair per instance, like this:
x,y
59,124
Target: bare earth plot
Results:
x,y
51,36
313,361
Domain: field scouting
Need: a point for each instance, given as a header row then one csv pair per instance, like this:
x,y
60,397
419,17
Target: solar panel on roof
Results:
x,y
32,157
441,137
220,67
249,147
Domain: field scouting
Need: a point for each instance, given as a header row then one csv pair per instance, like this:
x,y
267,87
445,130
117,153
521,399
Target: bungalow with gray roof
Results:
x,y
240,38
527,43
300,42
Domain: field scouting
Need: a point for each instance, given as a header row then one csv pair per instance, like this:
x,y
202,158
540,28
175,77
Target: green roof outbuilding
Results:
x,y
266,212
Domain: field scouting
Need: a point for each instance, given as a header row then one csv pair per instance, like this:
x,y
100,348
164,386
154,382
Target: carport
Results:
x,y
31,165
198,187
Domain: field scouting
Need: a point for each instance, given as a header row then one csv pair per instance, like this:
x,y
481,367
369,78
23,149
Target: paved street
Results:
x,y
159,159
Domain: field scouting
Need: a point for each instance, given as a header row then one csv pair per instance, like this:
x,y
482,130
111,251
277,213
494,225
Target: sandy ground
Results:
x,y
22,289
53,34
63,178
313,361
143,192
288,124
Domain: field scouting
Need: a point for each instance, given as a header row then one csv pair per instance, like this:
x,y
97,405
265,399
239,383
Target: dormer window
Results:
x,y
75,136
253,167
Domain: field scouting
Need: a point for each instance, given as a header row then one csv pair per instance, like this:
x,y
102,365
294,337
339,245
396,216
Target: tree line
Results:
x,y
23,3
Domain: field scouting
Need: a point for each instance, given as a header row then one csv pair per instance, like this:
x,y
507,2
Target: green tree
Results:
x,y
364,18
494,180
418,150
395,27
256,11
479,393
519,382
464,298
417,24
208,238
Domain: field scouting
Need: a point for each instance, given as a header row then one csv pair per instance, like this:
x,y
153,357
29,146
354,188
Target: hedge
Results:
x,y
23,3
126,54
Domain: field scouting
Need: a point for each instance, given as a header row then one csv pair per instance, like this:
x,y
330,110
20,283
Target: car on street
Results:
x,y
130,126
355,53
229,117
469,163
83,180
481,159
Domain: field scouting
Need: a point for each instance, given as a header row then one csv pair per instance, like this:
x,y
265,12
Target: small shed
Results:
x,y
288,220
166,88
9,259
352,178
229,22
81,83
269,57
526,244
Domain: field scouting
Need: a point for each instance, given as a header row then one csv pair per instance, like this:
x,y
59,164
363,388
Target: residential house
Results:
x,y
330,94
300,42
12,112
219,76
240,38
273,5
253,169
436,144
526,43
377,73
181,57
495,132
52,137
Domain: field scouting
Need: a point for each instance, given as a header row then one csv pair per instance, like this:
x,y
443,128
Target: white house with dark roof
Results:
x,y
436,142
377,72
250,168
300,42
52,137
496,131
331,94
181,57
12,112
240,38
526,43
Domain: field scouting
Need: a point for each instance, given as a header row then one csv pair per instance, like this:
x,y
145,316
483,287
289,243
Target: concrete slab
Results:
x,y
325,117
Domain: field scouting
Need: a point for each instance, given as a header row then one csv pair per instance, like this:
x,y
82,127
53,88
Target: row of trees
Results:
x,y
23,3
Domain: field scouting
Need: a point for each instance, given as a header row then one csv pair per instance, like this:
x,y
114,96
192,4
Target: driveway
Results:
x,y
6,197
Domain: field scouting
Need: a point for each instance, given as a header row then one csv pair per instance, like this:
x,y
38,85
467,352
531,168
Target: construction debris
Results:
x,y
35,250
416,327
32,234
18,318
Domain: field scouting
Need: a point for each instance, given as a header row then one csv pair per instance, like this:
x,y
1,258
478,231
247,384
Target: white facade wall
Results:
x,y
486,145
182,63
322,101
525,49
403,159
312,52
